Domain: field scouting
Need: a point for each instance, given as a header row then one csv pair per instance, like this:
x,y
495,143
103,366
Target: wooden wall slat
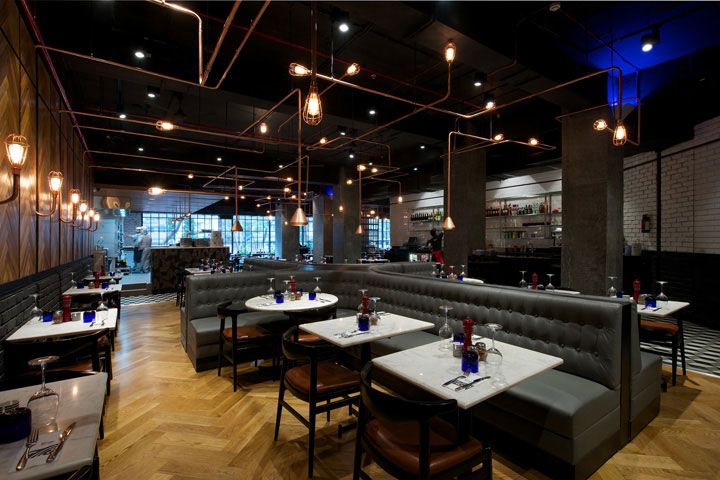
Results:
x,y
44,152
28,230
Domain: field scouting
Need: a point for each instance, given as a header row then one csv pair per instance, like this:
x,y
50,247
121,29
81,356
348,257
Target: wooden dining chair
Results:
x,y
407,439
668,332
310,316
324,384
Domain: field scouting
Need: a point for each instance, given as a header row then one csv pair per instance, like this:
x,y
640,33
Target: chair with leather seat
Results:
x,y
667,333
407,439
324,384
310,316
247,342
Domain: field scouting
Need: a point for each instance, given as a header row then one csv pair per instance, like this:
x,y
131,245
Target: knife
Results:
x,y
469,385
63,436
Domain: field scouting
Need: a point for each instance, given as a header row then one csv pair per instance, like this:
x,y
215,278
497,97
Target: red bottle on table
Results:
x,y
534,281
67,301
636,290
293,285
97,279
468,325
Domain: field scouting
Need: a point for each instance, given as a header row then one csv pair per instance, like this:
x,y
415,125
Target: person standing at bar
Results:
x,y
435,244
145,246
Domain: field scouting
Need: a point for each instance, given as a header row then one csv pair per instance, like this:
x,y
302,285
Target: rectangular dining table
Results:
x,y
35,329
73,291
81,401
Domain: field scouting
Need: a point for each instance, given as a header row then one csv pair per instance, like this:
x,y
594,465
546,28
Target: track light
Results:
x,y
489,101
450,51
649,40
374,170
480,79
619,135
297,70
352,70
600,125
164,126
263,128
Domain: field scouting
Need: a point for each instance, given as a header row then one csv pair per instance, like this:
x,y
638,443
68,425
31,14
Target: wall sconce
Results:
x,y
74,194
55,180
16,149
93,221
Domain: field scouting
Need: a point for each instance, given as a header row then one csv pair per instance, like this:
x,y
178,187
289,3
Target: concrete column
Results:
x,y
592,191
467,206
322,208
346,243
287,237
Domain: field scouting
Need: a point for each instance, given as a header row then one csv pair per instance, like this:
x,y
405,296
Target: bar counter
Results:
x,y
168,261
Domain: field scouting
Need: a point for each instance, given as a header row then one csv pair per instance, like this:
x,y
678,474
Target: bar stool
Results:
x,y
246,342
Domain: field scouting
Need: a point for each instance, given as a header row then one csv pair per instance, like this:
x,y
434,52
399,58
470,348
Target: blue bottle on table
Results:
x,y
363,322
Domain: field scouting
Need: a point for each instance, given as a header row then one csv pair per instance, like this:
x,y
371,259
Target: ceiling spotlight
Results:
x,y
191,176
349,181
480,79
533,141
267,211
649,40
153,92
263,128
489,101
499,137
164,125
619,135
370,163
227,198
156,190
371,112
343,27
122,116
139,54
450,51
323,140
352,70
351,154
297,70
219,159
281,165
600,125
374,170
141,149
415,169
422,147
342,130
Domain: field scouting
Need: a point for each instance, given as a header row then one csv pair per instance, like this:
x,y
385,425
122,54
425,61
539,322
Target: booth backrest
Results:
x,y
203,293
269,264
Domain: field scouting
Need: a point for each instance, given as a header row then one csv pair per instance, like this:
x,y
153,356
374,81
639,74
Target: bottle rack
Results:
x,y
518,223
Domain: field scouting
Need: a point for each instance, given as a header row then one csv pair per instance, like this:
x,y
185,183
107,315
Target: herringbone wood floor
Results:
x,y
166,422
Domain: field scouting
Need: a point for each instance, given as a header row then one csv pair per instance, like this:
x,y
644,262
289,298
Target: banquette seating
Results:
x,y
573,417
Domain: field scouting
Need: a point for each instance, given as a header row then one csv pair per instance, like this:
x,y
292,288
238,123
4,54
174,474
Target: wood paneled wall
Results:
x,y
30,104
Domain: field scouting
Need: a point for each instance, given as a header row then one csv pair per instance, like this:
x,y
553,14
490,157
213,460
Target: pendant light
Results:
x,y
620,134
448,224
359,230
312,111
236,227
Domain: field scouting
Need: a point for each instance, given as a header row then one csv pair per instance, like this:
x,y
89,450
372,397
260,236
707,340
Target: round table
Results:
x,y
264,304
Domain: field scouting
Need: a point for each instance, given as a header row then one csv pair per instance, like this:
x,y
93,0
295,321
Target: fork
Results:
x,y
31,440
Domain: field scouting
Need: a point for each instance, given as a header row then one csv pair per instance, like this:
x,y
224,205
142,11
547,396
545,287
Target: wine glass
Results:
x,y
661,299
112,277
287,287
550,286
494,357
523,282
271,291
317,285
612,291
446,332
102,309
36,311
374,316
43,403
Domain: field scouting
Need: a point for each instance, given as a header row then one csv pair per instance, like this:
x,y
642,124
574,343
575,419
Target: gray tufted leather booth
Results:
x,y
579,414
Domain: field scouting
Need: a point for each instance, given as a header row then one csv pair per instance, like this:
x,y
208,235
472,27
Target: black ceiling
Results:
x,y
399,46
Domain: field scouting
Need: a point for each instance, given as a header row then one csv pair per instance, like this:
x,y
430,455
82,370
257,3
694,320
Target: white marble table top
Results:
x,y
428,367
81,401
664,311
116,287
35,329
389,325
265,304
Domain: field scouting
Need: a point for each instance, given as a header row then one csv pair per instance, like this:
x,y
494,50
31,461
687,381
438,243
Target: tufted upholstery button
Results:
x,y
562,345
597,354
577,349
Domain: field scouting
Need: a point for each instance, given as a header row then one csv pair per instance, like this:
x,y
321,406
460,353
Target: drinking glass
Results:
x,y
462,274
102,309
523,282
36,312
271,291
112,277
43,403
374,316
494,327
612,291
661,299
287,288
446,331
550,286
317,285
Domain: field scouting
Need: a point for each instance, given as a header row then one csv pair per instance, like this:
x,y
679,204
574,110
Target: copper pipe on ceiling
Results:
x,y
270,111
171,139
489,142
354,139
639,111
221,39
181,9
30,19
184,129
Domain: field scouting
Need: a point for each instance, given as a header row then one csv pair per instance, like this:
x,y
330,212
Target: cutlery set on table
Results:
x,y
458,383
52,450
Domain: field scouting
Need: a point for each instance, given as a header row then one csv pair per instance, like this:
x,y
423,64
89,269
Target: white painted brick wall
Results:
x,y
640,191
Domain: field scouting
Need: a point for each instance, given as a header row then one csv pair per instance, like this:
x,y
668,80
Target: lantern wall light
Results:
x,y
55,181
16,150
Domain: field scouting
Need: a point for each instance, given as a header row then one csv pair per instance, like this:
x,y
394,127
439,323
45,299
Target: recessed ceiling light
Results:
x,y
414,169
153,92
344,27
122,116
351,154
280,166
219,159
649,40
480,79
141,149
370,163
422,147
139,54
371,112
